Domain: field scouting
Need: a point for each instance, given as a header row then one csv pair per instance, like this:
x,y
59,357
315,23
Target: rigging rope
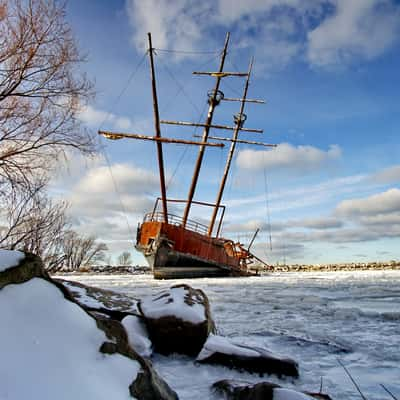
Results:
x,y
186,149
130,78
267,208
103,148
181,87
188,51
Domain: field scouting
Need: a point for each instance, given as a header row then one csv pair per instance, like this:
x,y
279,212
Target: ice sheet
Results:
x,y
317,318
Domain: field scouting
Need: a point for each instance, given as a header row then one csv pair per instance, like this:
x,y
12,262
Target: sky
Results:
x,y
328,70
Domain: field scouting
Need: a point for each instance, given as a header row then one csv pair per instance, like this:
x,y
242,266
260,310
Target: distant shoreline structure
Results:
x,y
350,266
138,270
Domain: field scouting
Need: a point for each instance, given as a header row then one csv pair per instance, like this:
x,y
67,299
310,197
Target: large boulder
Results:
x,y
47,336
178,320
240,390
222,351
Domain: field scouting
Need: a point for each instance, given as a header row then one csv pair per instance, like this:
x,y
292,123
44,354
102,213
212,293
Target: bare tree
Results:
x,y
40,91
125,258
82,250
34,223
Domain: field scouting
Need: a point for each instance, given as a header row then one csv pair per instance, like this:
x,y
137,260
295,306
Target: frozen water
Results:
x,y
315,318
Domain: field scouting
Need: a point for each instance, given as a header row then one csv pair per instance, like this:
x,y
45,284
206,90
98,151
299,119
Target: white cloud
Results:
x,y
381,203
381,219
190,25
286,156
316,223
325,32
253,225
361,29
130,180
95,118
174,24
100,208
388,175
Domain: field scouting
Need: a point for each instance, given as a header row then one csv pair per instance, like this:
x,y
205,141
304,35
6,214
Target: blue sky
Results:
x,y
329,71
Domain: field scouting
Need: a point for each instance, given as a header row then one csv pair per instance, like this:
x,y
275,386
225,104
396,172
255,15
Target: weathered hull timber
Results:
x,y
174,252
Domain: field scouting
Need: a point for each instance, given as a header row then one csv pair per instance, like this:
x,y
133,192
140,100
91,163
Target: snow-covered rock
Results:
x,y
52,347
222,351
45,340
178,320
240,390
101,300
19,267
138,336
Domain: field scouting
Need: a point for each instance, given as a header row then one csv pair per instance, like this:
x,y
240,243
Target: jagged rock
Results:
x,y
116,305
221,351
240,390
29,266
148,385
178,320
145,384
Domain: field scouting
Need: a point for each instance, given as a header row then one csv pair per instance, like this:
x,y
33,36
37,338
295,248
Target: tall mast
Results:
x,y
158,133
239,119
210,114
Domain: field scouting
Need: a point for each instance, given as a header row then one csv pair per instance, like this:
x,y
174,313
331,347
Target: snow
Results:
x,y
10,258
50,349
288,394
82,296
172,303
137,335
97,299
317,318
223,345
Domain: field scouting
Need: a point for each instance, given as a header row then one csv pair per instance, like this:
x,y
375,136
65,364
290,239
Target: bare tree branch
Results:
x,y
41,91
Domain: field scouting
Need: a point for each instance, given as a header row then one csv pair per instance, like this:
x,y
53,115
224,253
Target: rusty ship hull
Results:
x,y
175,252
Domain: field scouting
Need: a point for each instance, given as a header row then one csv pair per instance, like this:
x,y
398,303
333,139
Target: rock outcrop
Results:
x,y
178,320
28,267
30,279
240,390
222,351
115,305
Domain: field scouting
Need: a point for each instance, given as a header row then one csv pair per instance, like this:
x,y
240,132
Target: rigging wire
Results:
x,y
267,209
182,89
185,151
123,90
188,51
103,148
180,86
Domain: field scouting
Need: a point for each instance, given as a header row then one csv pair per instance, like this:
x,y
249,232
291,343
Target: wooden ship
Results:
x,y
175,246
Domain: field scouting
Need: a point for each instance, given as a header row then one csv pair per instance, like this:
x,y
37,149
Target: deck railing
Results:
x,y
176,220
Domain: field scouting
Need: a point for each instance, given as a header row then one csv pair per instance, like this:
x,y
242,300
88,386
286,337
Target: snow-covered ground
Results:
x,y
49,347
318,319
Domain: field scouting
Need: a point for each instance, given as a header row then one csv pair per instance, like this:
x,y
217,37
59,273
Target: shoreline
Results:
x,y
373,266
354,267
